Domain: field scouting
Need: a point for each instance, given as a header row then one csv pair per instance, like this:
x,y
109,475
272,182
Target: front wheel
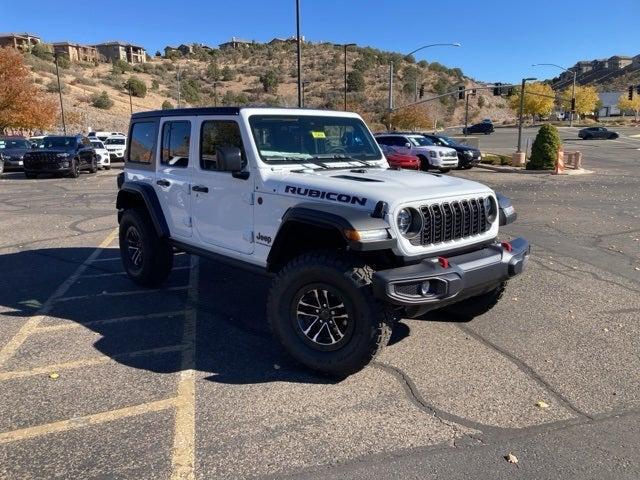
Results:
x,y
322,310
94,166
147,258
445,170
74,170
424,163
475,306
30,175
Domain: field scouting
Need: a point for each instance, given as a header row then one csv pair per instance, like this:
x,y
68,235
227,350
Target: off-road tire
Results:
x,y
157,255
30,175
351,278
473,307
74,168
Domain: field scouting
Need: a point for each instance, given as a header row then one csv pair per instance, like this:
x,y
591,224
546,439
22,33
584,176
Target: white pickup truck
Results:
x,y
307,197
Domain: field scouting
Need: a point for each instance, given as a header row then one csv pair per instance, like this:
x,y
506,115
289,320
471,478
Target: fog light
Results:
x,y
424,288
65,164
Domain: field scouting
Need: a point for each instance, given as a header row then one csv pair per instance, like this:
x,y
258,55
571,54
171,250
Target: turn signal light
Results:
x,y
507,246
444,262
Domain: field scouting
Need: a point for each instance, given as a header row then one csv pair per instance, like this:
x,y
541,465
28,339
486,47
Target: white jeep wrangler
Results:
x,y
307,197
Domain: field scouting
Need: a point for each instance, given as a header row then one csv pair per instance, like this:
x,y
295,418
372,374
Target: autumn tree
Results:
x,y
538,99
22,105
586,99
410,118
624,104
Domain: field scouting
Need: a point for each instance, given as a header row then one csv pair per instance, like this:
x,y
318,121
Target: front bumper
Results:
x,y
444,162
116,155
433,284
49,167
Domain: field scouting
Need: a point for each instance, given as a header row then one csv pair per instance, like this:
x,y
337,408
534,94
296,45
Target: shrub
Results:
x,y
227,74
80,80
355,81
270,81
52,86
544,150
191,90
101,100
167,105
120,66
155,84
63,61
136,87
41,51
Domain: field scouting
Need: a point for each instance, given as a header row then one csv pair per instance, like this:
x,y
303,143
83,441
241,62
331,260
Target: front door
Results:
x,y
222,201
174,174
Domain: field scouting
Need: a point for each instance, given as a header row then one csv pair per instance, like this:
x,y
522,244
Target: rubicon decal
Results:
x,y
336,197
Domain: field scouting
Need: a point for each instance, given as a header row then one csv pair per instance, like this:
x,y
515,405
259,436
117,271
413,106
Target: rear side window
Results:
x,y
176,137
143,138
214,134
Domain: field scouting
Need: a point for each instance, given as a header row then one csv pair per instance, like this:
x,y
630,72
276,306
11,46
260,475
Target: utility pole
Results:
x,y
179,88
573,99
345,73
299,54
128,85
466,113
521,113
415,89
390,86
64,125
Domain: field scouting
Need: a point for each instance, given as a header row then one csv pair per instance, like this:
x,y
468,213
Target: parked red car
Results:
x,y
400,160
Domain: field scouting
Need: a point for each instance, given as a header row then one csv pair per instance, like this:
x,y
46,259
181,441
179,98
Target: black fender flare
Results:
x,y
340,218
148,197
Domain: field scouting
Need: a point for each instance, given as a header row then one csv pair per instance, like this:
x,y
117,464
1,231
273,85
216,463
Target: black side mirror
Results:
x,y
229,159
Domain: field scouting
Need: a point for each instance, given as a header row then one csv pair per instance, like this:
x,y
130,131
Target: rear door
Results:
x,y
173,174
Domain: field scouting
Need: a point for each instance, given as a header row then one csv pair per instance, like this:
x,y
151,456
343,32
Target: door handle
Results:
x,y
200,188
163,183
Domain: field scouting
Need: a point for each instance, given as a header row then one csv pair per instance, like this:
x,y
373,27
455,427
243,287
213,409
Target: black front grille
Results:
x,y
452,221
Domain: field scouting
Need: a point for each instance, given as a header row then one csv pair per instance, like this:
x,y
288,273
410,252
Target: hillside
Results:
x,y
239,71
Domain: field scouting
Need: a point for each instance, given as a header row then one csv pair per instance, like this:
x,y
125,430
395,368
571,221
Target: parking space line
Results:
x,y
183,452
126,292
111,274
34,321
88,420
72,325
87,362
110,259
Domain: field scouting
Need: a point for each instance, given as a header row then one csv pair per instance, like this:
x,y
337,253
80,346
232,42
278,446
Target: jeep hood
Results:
x,y
364,187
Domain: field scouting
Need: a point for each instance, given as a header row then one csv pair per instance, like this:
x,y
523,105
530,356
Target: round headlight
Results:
x,y
404,220
490,208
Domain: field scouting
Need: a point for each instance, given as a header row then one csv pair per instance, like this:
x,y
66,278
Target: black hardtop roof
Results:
x,y
187,112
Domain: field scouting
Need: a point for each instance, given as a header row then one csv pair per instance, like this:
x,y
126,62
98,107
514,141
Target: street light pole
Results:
x,y
64,125
466,113
521,114
573,91
299,54
411,53
345,73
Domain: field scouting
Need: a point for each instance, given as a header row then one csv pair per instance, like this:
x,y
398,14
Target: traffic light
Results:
x,y
461,92
497,89
631,92
422,90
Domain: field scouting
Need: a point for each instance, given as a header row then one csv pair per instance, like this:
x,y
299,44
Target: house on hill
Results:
x,y
619,62
19,41
236,42
280,41
77,52
117,50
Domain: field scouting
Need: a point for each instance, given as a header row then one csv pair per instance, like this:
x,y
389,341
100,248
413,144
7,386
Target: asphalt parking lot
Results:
x,y
186,382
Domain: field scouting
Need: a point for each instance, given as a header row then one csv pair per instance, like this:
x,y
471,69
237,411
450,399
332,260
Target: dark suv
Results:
x,y
12,150
63,155
467,156
484,127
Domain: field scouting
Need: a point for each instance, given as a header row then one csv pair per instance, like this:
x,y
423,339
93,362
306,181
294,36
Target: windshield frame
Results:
x,y
375,155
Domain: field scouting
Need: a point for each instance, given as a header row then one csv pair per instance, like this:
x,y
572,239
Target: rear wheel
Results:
x,y
147,258
94,166
424,163
323,312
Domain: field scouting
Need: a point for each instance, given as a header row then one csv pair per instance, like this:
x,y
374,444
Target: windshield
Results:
x,y
97,144
114,141
13,143
420,141
447,141
300,138
59,142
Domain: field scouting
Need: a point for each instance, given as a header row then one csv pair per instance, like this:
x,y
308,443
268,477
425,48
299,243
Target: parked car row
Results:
x,y
422,151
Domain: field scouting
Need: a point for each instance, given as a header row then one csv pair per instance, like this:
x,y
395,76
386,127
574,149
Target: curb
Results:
x,y
507,169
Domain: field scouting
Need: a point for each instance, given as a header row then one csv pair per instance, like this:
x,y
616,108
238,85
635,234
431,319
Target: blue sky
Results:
x,y
500,40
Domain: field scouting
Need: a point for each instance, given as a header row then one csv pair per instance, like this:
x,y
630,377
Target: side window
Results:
x,y
176,137
86,142
142,142
399,141
382,140
214,134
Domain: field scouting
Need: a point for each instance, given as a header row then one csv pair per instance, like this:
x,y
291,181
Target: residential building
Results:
x,y
236,42
19,41
602,64
583,66
77,52
618,62
279,40
116,50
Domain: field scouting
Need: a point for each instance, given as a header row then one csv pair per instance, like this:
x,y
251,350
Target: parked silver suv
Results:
x,y
430,154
